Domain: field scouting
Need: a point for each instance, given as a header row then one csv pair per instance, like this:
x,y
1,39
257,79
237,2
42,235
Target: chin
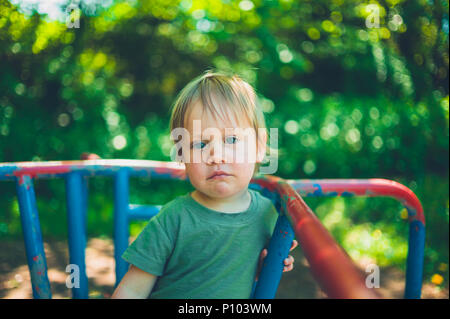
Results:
x,y
220,191
228,192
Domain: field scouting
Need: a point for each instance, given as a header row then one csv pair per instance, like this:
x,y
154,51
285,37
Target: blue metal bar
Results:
x,y
121,229
272,268
85,197
34,246
414,262
142,212
77,231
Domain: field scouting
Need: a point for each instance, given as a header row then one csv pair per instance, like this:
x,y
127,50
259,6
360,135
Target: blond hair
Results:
x,y
220,94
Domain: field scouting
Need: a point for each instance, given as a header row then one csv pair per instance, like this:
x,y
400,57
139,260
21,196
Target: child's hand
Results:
x,y
288,262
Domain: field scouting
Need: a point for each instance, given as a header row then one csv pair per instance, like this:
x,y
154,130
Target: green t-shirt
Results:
x,y
197,252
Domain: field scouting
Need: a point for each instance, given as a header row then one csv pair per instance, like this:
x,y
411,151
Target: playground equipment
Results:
x,y
330,265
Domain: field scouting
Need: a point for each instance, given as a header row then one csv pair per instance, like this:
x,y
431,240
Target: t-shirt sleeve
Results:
x,y
153,246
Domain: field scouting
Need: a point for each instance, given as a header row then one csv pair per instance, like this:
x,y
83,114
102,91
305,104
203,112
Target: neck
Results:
x,y
233,204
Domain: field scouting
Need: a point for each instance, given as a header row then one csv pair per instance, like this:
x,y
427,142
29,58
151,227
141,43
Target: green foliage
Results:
x,y
349,101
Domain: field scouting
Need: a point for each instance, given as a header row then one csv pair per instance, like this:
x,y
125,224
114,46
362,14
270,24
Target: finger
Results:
x,y
289,260
263,253
288,268
294,244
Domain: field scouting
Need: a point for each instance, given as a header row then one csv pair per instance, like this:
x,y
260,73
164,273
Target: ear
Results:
x,y
262,141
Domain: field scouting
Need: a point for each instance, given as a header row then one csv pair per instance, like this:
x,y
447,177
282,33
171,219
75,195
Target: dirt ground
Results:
x,y
297,284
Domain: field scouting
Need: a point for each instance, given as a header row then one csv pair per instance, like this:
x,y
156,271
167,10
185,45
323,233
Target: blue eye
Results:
x,y
198,145
231,140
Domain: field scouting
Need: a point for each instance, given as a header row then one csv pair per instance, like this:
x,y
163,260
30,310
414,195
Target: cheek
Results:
x,y
244,170
194,171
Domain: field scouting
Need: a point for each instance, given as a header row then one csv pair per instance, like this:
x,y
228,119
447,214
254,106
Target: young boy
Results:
x,y
207,243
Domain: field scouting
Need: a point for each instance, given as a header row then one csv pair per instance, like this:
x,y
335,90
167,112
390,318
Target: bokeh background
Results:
x,y
352,93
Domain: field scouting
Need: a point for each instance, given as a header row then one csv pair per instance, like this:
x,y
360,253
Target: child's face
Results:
x,y
231,152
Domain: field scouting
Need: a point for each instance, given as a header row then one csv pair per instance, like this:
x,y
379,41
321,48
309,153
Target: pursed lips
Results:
x,y
218,174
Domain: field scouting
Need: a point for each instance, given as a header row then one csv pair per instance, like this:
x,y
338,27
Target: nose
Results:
x,y
216,154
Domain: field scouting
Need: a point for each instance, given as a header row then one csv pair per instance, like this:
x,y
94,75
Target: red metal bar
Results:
x,y
362,187
332,268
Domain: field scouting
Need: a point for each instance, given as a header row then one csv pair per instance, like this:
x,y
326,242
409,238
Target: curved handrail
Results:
x,y
319,187
52,169
329,276
362,187
332,268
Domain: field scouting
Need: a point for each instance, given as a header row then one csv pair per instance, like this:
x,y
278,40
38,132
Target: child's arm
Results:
x,y
136,284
